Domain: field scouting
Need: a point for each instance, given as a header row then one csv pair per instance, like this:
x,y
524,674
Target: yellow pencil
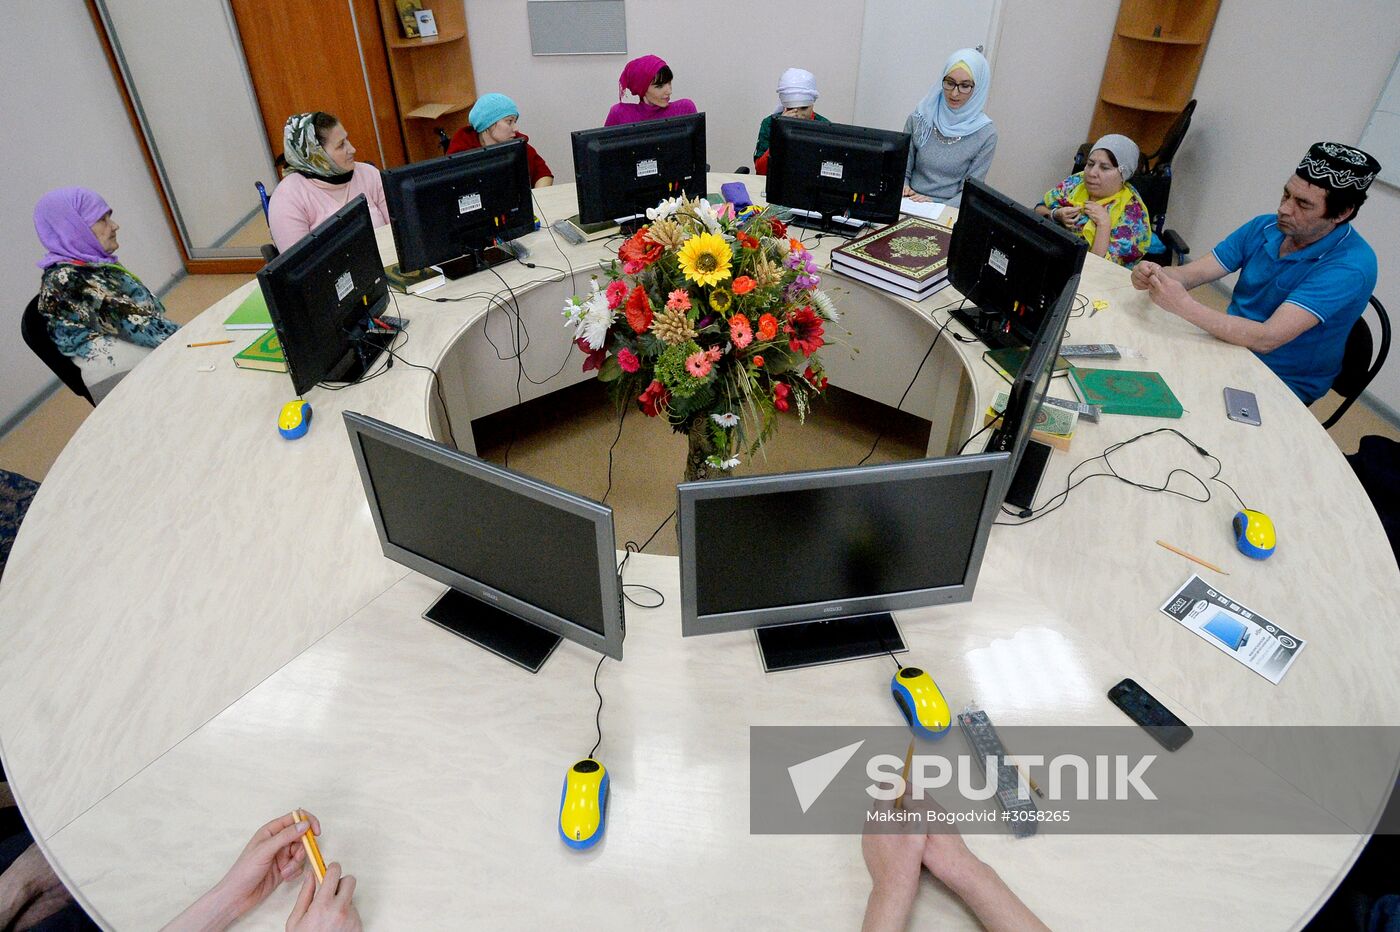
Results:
x,y
908,763
208,343
1192,557
308,841
1030,781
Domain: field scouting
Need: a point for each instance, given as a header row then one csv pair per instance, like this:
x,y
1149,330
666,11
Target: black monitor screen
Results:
x,y
515,544
322,292
832,169
623,170
1009,261
834,543
450,206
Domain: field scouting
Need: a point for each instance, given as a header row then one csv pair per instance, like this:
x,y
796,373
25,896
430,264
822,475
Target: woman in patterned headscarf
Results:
x,y
99,314
322,176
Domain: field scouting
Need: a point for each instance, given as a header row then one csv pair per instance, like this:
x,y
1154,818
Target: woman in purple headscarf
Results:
x,y
649,78
98,313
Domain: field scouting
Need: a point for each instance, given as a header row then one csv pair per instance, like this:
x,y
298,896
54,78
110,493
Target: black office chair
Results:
x,y
1153,182
35,331
1358,368
444,140
268,250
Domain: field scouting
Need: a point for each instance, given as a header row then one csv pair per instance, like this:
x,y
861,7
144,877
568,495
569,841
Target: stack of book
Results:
x,y
1052,425
908,258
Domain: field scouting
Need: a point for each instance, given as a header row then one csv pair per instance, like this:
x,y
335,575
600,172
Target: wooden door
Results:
x,y
303,55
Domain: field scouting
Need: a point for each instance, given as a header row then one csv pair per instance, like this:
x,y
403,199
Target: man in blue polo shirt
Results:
x,y
1305,273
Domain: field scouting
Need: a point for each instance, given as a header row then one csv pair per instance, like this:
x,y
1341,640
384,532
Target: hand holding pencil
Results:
x,y
279,851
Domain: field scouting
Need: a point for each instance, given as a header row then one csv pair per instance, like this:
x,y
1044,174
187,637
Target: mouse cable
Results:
x,y
910,387
1071,483
598,716
986,427
367,376
522,329
631,548
544,222
608,491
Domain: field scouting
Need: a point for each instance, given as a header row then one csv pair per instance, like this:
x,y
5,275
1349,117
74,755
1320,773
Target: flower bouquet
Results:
x,y
712,319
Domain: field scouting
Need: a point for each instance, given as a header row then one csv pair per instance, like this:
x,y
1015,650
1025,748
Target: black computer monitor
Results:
x,y
1028,389
873,539
452,211
527,563
322,294
1010,262
624,170
835,170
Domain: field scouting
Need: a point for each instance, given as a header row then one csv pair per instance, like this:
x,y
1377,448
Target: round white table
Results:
x,y
201,633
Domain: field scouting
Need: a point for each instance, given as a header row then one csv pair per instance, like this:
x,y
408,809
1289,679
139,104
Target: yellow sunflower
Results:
x,y
704,259
720,300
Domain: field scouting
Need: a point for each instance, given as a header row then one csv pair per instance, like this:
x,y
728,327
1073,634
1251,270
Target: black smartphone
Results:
x,y
1139,705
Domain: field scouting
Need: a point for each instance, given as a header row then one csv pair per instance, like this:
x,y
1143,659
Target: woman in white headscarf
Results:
x,y
953,140
1100,205
797,97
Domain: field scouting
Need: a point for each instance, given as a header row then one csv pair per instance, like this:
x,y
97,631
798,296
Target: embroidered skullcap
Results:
x,y
1338,167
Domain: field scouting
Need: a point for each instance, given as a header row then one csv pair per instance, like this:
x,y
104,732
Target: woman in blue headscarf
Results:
x,y
953,140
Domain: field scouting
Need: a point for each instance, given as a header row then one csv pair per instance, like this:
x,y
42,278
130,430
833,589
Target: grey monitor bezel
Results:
x,y
609,643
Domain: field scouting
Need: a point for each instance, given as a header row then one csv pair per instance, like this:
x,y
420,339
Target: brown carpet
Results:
x,y
563,439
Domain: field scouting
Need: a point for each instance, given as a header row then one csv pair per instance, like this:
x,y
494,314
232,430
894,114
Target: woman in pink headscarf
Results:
x,y
649,78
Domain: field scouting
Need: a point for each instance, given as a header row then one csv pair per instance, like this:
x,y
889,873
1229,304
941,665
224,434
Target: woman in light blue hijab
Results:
x,y
952,139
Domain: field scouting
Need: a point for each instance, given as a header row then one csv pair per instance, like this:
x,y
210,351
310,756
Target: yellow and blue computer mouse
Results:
x,y
295,419
583,806
922,703
1254,534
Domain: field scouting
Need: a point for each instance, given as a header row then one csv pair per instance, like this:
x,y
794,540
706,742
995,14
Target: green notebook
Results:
x,y
251,314
1123,391
264,353
1009,360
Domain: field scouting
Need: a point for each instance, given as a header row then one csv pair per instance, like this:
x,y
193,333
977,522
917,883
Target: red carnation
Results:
x,y
804,330
640,251
745,240
639,311
780,396
767,327
653,400
779,228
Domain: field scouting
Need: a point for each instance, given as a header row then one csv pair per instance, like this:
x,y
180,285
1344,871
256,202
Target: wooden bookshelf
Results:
x,y
1153,61
433,81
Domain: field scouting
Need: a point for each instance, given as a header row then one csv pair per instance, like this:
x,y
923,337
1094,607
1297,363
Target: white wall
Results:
x,y
187,66
63,124
1277,78
726,55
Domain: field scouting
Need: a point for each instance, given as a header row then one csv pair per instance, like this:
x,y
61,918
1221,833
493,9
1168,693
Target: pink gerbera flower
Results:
x,y
698,364
678,300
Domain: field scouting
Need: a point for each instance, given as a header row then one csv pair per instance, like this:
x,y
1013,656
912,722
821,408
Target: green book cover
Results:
x,y
251,314
1123,391
264,353
1008,361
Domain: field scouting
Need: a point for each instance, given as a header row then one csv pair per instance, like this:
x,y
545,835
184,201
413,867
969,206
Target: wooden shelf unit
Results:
x,y
1151,70
432,75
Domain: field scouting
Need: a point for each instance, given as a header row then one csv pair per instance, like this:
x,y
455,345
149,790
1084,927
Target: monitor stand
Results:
x,y
503,634
367,347
1020,494
478,260
813,643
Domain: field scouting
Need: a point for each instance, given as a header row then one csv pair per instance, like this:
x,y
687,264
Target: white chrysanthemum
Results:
x,y
824,305
591,317
665,209
727,419
717,463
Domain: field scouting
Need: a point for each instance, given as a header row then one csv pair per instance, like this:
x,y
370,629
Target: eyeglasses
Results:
x,y
965,87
